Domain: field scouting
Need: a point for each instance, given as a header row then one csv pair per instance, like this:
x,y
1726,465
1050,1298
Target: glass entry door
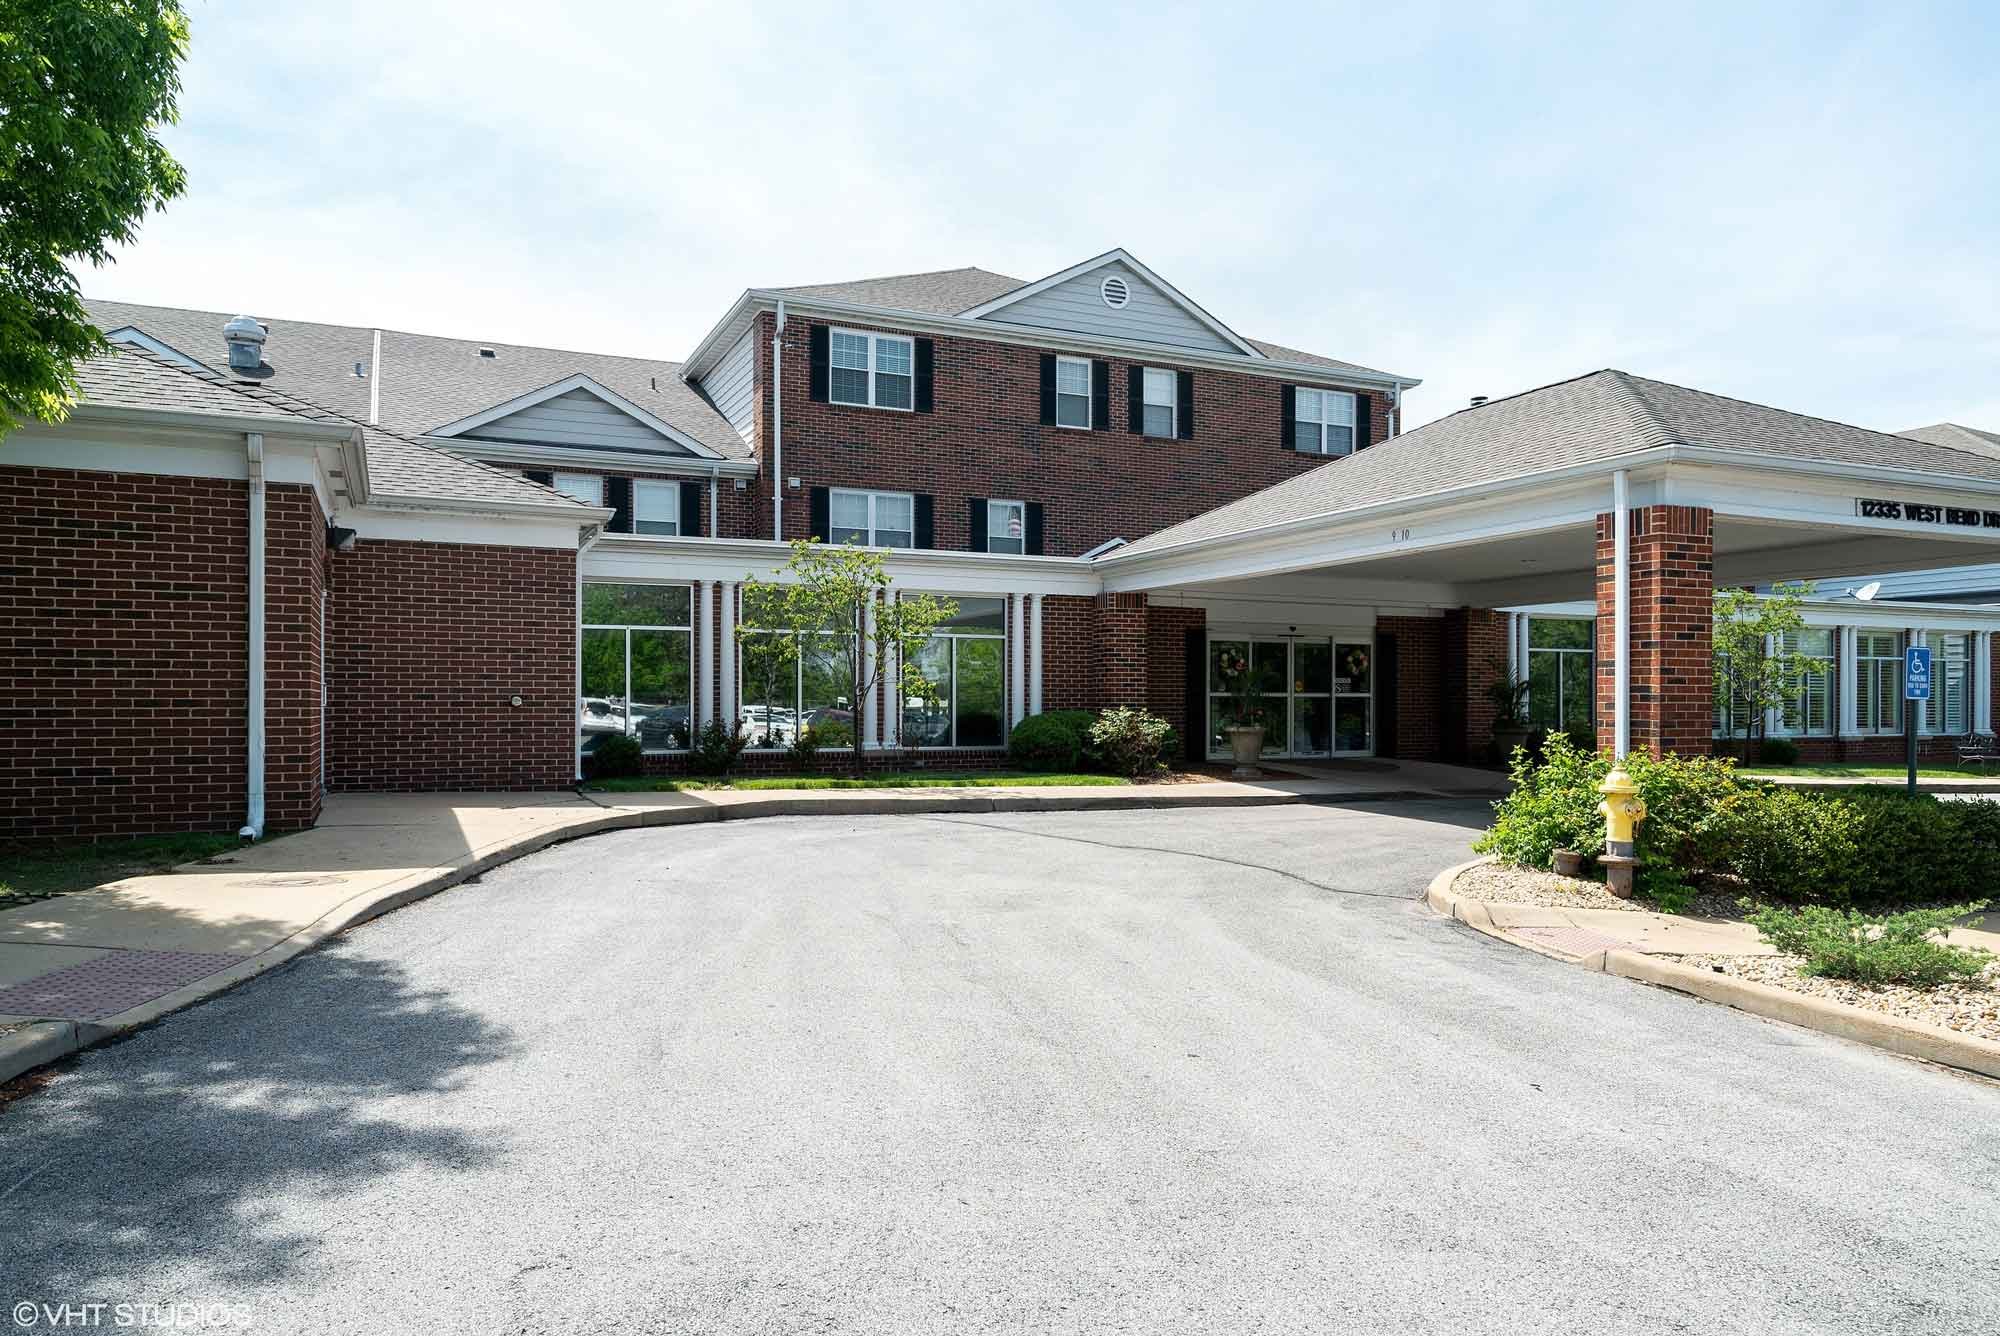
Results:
x,y
1314,694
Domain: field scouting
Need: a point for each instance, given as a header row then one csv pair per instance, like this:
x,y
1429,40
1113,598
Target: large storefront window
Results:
x,y
1315,694
1562,673
636,665
791,680
1950,707
964,661
1878,681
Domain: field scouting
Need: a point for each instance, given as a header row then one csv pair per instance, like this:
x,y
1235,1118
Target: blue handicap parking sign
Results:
x,y
1917,673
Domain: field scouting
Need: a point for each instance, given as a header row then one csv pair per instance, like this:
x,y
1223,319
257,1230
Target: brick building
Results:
x,y
266,559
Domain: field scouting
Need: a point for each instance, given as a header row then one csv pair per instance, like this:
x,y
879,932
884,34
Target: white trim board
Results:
x,y
579,381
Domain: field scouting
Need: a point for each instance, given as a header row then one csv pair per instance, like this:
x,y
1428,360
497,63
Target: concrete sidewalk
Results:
x,y
80,967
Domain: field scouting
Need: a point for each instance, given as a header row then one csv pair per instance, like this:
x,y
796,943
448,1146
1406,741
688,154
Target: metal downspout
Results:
x,y
253,825
778,427
1621,647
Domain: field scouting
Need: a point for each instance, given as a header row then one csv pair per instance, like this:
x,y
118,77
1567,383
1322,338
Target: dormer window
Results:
x,y
585,487
1325,423
871,370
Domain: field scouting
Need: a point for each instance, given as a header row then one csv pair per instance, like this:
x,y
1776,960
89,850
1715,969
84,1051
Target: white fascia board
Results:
x,y
1051,340
417,525
570,513
1723,500
271,426
1827,612
1118,256
514,452
579,381
643,558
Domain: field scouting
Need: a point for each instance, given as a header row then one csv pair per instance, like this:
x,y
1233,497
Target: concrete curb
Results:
x,y
42,1042
1912,1039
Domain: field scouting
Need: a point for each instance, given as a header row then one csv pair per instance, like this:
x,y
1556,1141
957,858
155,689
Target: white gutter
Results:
x,y
778,427
714,503
275,425
1621,646
253,825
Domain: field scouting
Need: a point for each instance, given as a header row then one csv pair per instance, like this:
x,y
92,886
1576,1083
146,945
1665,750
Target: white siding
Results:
x,y
732,385
1077,305
577,418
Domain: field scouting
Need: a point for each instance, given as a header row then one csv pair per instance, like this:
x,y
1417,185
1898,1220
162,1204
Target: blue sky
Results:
x,y
1797,204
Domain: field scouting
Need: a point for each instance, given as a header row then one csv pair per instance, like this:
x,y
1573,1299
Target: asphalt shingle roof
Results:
x,y
427,381
135,378
1955,437
1600,416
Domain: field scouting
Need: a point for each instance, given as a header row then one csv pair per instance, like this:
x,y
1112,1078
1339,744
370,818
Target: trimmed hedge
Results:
x,y
1053,741
1863,848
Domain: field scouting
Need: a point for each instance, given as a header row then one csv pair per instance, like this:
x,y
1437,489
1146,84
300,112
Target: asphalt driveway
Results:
x,y
1146,1071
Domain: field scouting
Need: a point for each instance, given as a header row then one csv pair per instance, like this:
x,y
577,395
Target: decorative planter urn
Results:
x,y
1569,863
1246,744
1509,736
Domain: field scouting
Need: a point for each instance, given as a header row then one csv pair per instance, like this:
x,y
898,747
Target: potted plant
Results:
x,y
1246,715
1511,728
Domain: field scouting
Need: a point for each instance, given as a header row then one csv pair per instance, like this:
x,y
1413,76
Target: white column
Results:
x,y
892,690
1846,672
1017,659
1774,718
1982,682
871,710
1920,638
1621,633
728,652
1035,654
1514,665
704,654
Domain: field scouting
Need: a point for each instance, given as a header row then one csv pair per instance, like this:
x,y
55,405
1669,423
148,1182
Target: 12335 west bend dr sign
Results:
x,y
1922,512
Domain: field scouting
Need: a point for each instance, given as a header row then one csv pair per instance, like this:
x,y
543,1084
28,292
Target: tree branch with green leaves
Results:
x,y
1757,666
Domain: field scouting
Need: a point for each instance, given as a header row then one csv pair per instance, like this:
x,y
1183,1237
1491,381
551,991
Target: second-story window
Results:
x,y
1073,392
656,508
873,519
1006,526
871,370
1161,402
585,487
1325,424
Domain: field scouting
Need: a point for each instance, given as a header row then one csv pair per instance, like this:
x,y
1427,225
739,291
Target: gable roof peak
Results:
x,y
1117,255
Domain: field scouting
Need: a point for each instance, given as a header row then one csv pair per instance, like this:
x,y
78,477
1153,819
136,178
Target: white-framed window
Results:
x,y
1073,392
1006,527
636,666
656,508
1949,710
791,680
585,487
1562,674
1323,422
1878,681
965,662
872,519
1811,714
871,370
1161,402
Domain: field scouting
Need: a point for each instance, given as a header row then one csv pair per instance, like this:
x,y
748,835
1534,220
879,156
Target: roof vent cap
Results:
x,y
488,352
245,337
1479,401
1115,291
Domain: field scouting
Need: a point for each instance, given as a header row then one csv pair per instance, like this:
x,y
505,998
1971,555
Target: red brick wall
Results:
x,y
1166,665
1122,650
1069,654
1473,655
985,439
429,643
295,573
1672,591
1419,684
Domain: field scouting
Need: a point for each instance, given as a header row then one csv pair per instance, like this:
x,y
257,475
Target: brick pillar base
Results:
x,y
1673,588
1474,658
1121,650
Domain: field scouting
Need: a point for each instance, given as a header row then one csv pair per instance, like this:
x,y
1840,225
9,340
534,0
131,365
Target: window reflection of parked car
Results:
x,y
667,727
598,715
768,725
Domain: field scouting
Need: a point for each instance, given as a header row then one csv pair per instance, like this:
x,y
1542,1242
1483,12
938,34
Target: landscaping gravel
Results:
x,y
1505,884
1972,1008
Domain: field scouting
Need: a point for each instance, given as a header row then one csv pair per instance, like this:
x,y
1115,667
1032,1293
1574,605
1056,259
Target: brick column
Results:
x,y
1672,590
1474,658
1121,650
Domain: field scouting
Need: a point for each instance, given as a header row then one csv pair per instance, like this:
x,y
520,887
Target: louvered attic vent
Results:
x,y
1114,291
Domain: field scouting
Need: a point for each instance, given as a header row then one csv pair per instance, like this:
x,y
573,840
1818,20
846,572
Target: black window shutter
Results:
x,y
822,363
821,513
1184,401
926,521
1048,389
618,495
690,510
542,476
1194,726
1288,417
924,360
1033,532
1136,400
975,517
1363,434
1100,396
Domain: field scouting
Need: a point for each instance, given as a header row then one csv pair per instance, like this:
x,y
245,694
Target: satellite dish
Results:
x,y
1868,591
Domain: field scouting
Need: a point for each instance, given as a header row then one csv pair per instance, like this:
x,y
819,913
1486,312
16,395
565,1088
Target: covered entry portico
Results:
x,y
1634,495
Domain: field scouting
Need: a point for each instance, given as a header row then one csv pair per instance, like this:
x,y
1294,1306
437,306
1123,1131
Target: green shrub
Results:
x,y
1131,742
1553,806
615,756
716,748
803,752
1777,751
1053,741
1789,845
1904,948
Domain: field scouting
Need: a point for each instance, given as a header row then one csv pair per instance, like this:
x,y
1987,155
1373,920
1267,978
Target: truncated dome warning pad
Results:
x,y
109,984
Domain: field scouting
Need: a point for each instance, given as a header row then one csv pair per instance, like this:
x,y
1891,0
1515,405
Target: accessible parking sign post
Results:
x,y
1916,691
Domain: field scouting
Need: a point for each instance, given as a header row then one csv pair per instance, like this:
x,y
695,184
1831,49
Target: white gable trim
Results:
x,y
1120,256
577,382
134,337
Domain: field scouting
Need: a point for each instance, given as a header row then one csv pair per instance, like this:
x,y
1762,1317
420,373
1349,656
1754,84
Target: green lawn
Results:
x,y
30,872
911,780
1844,771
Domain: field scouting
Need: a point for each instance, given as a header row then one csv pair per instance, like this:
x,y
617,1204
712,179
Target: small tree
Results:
x,y
1755,672
84,89
829,591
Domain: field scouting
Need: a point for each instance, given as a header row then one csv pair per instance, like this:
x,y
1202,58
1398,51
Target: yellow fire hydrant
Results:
x,y
1623,810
